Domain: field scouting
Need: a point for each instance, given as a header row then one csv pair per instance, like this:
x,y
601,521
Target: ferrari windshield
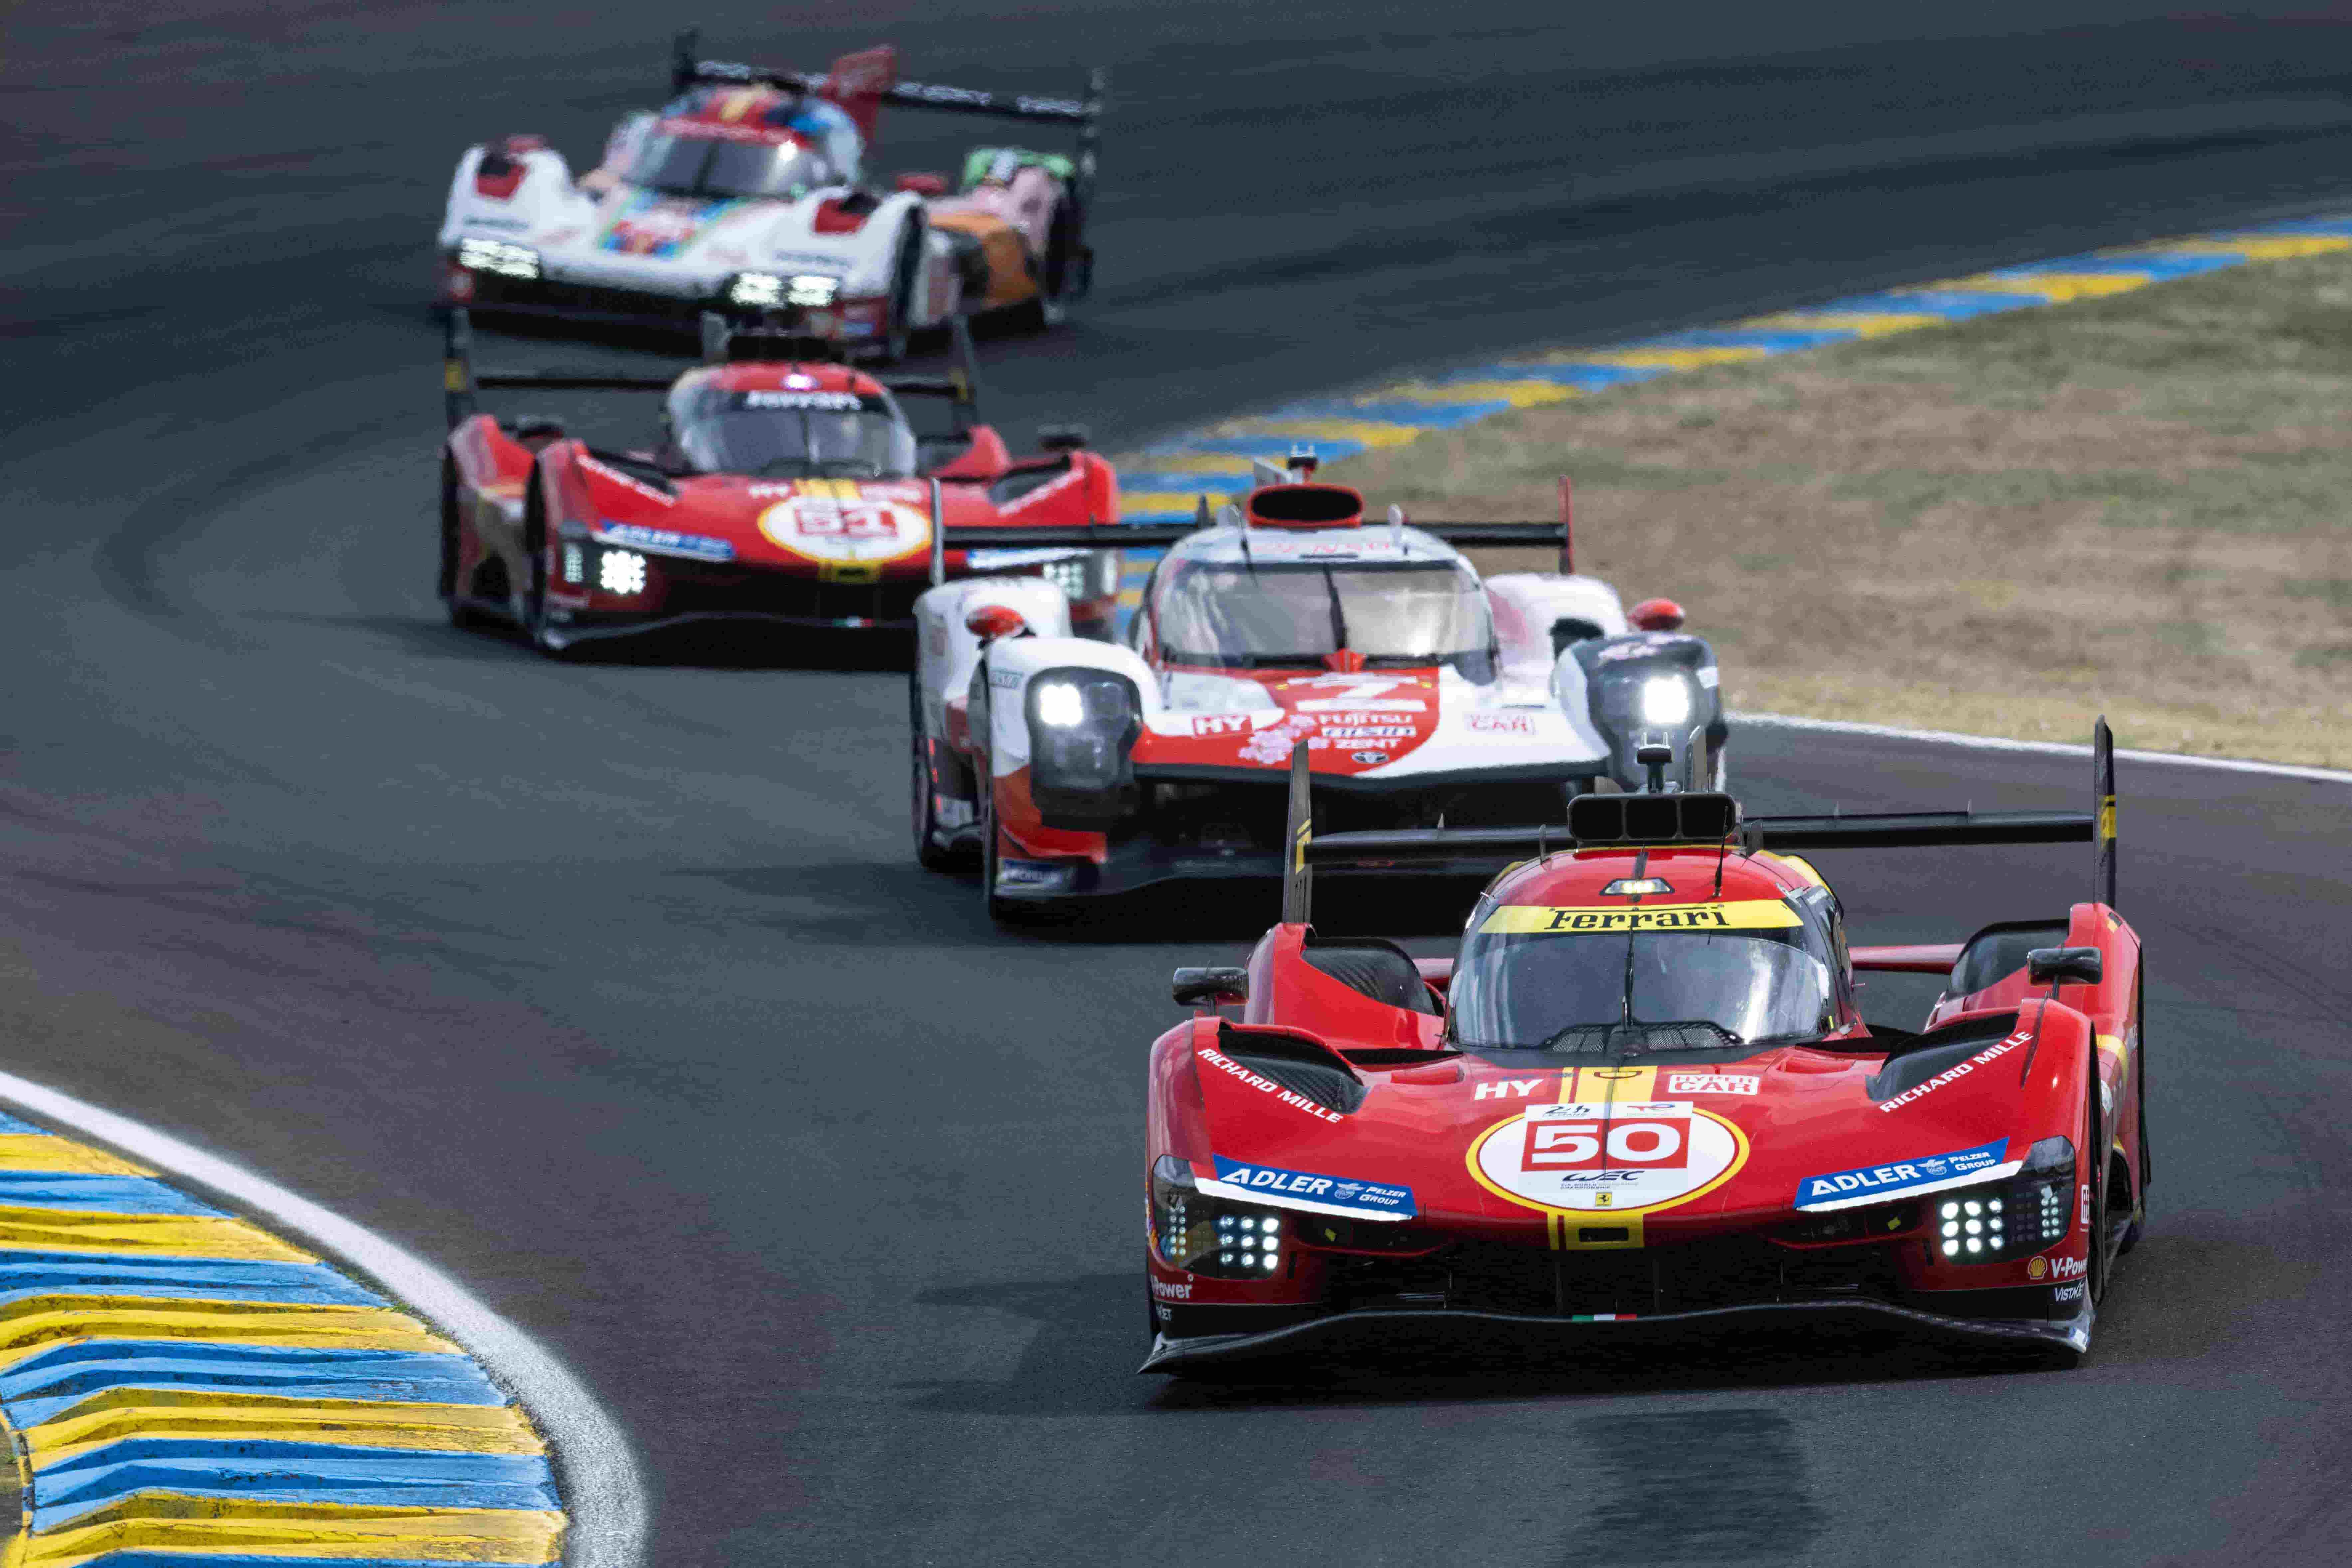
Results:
x,y
704,166
1523,984
789,435
1422,613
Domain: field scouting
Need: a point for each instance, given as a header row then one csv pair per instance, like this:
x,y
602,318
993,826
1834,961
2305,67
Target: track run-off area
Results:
x,y
611,989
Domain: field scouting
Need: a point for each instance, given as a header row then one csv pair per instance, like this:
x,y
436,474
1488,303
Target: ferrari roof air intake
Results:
x,y
1596,820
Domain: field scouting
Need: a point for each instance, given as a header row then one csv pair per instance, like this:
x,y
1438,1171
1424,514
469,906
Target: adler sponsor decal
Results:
x,y
1925,1173
1746,914
1954,1073
1310,1190
1264,1084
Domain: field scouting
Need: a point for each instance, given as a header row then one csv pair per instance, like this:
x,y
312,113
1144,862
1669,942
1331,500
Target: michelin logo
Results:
x,y
1309,1190
1875,1183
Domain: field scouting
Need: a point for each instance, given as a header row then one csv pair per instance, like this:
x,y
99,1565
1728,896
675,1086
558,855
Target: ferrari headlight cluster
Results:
x,y
1082,578
766,291
502,256
1212,1235
2010,1219
575,563
621,572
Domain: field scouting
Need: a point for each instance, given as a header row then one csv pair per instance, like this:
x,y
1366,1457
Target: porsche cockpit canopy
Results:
x,y
686,159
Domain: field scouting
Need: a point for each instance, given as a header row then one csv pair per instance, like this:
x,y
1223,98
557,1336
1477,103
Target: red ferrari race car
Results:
x,y
779,489
1642,1093
748,191
1424,693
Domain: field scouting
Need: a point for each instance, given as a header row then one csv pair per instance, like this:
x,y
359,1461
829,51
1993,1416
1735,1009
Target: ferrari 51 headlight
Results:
x,y
621,572
502,256
1666,700
2015,1218
755,290
1212,1235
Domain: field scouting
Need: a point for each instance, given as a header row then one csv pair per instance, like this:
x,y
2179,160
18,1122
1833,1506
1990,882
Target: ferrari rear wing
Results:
x,y
459,384
1610,821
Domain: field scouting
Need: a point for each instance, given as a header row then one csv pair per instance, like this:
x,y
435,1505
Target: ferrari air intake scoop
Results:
x,y
1695,817
1306,506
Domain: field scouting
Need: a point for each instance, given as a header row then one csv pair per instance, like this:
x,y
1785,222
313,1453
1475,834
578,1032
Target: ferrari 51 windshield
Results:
x,y
1600,991
1295,614
782,435
704,166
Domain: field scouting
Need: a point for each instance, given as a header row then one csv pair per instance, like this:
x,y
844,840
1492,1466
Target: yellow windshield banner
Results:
x,y
1745,914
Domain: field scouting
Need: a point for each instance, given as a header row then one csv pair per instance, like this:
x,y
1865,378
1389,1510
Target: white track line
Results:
x,y
2045,748
604,1496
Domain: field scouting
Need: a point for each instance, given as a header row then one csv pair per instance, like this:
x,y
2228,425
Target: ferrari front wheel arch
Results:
x,y
453,592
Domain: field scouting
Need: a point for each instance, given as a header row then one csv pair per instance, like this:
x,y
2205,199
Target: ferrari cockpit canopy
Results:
x,y
1623,976
788,433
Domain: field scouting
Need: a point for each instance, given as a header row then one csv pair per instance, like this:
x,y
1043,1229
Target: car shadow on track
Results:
x,y
859,903
682,647
1091,1339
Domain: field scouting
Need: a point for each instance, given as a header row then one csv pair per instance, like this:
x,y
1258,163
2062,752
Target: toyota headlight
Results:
x,y
1083,724
1666,700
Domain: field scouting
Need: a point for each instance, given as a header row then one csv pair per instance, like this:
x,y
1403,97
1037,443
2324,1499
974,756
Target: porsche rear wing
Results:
x,y
688,69
1601,821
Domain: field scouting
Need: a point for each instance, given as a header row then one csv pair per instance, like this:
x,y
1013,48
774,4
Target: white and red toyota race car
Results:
x,y
1426,696
747,193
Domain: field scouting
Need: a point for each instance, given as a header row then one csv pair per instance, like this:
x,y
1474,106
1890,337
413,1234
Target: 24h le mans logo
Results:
x,y
1624,1158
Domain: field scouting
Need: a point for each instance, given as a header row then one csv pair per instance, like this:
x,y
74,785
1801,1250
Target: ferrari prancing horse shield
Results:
x,y
1622,1158
862,528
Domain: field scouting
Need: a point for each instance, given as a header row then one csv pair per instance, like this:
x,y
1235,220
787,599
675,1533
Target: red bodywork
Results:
x,y
1507,1158
801,552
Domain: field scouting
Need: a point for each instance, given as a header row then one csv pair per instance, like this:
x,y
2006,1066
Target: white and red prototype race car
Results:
x,y
1425,695
779,489
747,193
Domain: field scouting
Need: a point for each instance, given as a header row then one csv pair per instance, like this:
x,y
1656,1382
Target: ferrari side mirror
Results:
x,y
2048,965
1208,987
991,622
1656,615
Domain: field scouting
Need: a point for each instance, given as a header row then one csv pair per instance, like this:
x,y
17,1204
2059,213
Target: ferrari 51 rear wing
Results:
x,y
1600,821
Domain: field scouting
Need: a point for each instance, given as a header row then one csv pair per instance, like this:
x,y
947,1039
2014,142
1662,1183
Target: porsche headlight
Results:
x,y
755,291
812,289
1215,1236
501,257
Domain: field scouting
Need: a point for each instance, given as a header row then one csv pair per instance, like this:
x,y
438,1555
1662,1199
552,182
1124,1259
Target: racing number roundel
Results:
x,y
856,528
1608,1158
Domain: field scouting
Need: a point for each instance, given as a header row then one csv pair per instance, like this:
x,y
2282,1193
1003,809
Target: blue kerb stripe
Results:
x,y
1952,304
97,1195
1421,416
2152,265
1584,376
44,1385
34,1273
290,1472
1771,342
11,1124
1204,484
243,1560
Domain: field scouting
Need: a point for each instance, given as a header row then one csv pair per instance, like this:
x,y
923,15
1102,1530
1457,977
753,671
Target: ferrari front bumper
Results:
x,y
1368,1324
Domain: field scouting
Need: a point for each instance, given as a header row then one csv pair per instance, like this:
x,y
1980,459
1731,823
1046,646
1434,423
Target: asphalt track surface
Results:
x,y
612,987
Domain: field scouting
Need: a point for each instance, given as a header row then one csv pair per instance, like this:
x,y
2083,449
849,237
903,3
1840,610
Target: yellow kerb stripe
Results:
x,y
41,1152
177,1235
2051,286
167,1521
1861,323
1371,432
2253,248
1660,359
1746,914
1527,394
32,1325
235,1417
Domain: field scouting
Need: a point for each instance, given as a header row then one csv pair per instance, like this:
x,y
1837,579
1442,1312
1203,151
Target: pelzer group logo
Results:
x,y
1622,1158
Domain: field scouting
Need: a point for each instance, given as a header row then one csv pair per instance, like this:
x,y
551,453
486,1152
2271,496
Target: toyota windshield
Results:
x,y
1245,616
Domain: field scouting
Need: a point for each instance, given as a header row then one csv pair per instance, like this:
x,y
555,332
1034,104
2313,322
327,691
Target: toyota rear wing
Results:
x,y
1613,821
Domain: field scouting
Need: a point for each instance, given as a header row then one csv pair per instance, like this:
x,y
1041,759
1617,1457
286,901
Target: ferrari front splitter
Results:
x,y
1169,1355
